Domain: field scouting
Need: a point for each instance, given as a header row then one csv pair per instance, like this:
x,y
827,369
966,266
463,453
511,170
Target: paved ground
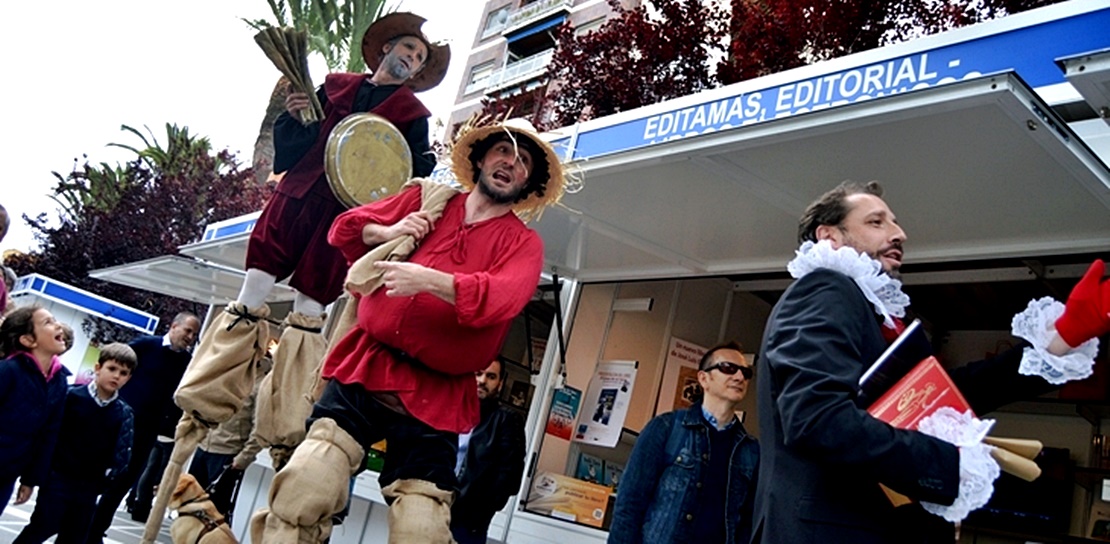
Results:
x,y
123,530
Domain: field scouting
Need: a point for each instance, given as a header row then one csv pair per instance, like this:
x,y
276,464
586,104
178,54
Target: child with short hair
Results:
x,y
32,395
94,445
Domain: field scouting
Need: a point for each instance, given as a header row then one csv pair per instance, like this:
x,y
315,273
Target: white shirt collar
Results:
x,y
100,402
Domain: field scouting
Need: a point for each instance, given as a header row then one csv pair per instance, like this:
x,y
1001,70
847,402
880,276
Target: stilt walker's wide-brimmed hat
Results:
x,y
401,23
463,164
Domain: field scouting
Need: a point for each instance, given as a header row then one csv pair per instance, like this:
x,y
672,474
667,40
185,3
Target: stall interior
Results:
x,y
633,347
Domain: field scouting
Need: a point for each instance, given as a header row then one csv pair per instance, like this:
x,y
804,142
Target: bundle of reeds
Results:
x,y
287,48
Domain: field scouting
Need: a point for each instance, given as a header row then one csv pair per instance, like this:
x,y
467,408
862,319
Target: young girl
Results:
x,y
32,395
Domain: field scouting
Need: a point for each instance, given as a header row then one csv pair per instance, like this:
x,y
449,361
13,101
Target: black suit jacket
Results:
x,y
822,456
493,469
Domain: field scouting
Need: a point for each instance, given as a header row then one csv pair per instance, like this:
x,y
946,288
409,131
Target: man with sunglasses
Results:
x,y
692,474
823,456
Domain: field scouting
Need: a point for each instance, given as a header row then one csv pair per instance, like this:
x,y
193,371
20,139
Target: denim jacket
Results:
x,y
659,488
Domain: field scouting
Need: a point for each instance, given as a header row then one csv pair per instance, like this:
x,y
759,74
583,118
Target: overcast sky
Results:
x,y
76,70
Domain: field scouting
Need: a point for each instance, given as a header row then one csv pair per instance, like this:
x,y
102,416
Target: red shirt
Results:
x,y
496,264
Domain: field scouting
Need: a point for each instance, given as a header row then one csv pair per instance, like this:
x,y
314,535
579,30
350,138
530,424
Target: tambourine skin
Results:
x,y
366,158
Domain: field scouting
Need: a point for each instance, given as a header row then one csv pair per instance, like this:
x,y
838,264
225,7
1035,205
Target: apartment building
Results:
x,y
515,43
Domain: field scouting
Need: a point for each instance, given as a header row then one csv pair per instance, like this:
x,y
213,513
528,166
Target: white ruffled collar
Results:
x,y
882,291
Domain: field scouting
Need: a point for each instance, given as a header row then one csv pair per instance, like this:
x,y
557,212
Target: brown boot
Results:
x,y
311,488
419,512
221,373
285,394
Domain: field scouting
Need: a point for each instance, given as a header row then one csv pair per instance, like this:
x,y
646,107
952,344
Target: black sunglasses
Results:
x,y
729,369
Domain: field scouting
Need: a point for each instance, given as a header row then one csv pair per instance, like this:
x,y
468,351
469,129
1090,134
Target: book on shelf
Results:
x,y
590,468
613,472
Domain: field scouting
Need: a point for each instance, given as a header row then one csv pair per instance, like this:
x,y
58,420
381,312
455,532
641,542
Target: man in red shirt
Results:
x,y
405,372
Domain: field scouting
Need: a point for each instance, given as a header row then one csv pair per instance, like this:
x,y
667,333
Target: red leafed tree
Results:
x,y
643,55
664,49
768,36
146,208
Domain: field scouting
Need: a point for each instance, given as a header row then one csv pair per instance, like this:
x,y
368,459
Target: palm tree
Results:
x,y
334,31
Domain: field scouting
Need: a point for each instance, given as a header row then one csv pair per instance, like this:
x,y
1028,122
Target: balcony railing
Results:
x,y
535,11
522,70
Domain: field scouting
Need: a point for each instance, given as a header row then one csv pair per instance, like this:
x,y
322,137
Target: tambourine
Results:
x,y
366,158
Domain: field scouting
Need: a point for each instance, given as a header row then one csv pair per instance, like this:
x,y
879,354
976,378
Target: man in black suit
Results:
x,y
491,460
822,454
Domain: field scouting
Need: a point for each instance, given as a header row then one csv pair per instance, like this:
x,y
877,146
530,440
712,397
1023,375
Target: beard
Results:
x,y
395,68
892,271
484,393
500,197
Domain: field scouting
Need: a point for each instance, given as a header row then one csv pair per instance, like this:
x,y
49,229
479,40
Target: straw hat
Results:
x,y
520,132
392,25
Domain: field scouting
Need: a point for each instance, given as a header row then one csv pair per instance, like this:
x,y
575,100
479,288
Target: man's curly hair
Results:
x,y
537,180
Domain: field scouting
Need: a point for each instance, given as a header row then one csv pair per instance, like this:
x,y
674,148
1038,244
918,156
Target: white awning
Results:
x,y
191,279
974,170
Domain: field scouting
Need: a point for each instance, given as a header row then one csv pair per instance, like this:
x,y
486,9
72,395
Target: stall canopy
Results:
x,y
976,169
206,272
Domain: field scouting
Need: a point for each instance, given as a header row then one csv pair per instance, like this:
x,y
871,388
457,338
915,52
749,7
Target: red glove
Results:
x,y
1087,312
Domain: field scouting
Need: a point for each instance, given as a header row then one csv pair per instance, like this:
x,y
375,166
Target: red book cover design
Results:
x,y
918,394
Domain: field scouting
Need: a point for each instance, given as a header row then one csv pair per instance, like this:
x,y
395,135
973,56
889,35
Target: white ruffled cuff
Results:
x,y
1037,324
978,470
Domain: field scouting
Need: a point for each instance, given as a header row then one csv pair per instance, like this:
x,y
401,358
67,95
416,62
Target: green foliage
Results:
x,y
334,28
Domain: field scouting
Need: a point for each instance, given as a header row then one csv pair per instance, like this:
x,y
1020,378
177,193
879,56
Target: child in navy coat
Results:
x,y
32,394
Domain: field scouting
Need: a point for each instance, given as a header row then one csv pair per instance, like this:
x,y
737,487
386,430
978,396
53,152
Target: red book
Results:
x,y
918,394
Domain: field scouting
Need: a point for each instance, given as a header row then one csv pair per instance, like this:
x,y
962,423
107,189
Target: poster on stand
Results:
x,y
680,376
606,403
564,410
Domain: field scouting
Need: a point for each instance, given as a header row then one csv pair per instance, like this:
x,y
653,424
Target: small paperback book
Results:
x,y
589,468
613,473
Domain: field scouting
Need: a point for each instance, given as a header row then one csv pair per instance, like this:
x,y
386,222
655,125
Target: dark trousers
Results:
x,y
468,535
415,450
118,488
206,467
143,492
62,508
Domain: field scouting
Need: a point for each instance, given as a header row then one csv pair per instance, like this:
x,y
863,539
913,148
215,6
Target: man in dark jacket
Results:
x,y
823,456
691,477
491,461
149,393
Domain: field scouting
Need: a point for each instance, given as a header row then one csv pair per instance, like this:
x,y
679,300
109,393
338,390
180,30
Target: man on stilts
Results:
x,y
290,240
405,372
